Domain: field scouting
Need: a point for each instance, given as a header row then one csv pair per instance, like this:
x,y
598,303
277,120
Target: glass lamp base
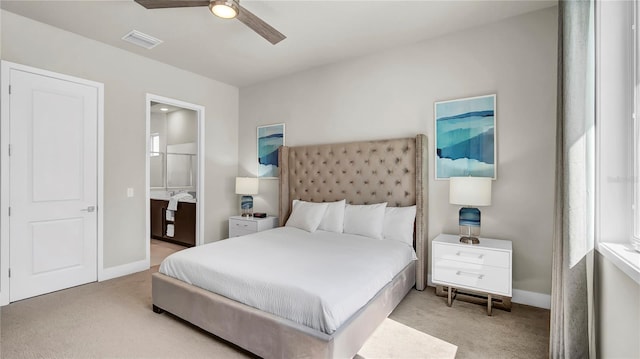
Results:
x,y
469,234
246,205
469,224
469,240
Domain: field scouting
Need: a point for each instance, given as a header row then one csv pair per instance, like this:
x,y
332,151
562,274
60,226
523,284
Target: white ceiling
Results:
x,y
318,32
157,106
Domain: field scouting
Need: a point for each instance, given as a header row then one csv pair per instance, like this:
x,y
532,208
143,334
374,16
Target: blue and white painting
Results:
x,y
269,139
466,137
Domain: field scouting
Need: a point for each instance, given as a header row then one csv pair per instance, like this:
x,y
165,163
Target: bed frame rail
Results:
x,y
270,336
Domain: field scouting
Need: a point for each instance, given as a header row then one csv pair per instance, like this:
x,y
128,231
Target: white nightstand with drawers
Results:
x,y
483,268
240,226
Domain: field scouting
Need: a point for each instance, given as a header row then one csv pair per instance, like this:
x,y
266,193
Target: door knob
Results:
x,y
89,209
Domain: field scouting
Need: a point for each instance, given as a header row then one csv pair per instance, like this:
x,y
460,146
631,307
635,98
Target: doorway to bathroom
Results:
x,y
174,176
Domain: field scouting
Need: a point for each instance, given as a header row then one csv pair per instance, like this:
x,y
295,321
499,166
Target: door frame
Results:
x,y
200,180
5,188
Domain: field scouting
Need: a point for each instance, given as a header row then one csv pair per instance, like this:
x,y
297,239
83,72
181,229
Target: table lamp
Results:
x,y
470,192
246,186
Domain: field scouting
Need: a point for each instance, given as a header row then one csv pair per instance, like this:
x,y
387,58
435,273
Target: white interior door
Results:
x,y
53,184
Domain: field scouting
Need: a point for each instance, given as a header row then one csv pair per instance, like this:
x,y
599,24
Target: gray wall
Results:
x,y
158,124
391,94
127,78
182,127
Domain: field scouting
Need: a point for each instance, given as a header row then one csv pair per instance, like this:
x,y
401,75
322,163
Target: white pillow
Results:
x,y
398,224
364,220
306,215
333,220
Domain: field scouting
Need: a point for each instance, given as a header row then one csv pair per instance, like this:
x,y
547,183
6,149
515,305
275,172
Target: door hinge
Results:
x,y
9,272
9,149
9,211
9,89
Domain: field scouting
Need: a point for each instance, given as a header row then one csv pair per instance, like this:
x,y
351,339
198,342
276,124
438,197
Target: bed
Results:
x,y
392,171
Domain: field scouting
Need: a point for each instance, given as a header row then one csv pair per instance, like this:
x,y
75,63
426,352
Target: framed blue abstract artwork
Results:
x,y
270,137
466,137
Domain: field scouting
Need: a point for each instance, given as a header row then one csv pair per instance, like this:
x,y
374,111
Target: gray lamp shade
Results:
x,y
470,191
247,185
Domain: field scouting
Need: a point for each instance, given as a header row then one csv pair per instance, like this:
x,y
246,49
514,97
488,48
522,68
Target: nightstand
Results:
x,y
240,226
483,268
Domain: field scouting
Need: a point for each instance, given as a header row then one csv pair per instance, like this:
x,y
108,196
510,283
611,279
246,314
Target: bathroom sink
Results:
x,y
167,196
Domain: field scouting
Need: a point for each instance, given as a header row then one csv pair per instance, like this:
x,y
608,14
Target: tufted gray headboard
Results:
x,y
392,171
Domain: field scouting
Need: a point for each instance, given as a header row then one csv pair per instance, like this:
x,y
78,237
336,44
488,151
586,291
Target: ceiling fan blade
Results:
x,y
262,28
163,4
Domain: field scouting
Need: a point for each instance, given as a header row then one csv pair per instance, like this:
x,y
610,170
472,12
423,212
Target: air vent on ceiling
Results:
x,y
138,38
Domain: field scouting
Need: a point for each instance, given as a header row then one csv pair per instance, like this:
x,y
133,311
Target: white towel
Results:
x,y
170,215
173,202
169,230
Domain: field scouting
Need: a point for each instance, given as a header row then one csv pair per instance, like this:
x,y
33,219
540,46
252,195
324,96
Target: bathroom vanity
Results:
x,y
184,222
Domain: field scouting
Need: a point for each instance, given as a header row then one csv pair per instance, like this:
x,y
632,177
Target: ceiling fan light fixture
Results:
x,y
226,9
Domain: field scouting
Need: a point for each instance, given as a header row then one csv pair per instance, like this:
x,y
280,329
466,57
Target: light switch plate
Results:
x,y
129,192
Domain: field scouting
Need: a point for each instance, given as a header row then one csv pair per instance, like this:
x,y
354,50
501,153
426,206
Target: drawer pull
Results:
x,y
479,256
241,225
480,276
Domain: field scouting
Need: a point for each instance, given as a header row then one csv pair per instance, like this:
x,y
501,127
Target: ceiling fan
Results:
x,y
227,9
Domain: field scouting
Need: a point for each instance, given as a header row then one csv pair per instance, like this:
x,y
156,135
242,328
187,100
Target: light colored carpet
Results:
x,y
396,340
113,319
521,333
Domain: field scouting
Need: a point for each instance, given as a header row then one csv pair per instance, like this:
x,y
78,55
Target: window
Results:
x,y
633,88
618,135
155,145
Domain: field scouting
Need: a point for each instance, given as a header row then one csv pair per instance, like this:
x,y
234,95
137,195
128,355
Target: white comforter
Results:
x,y
316,279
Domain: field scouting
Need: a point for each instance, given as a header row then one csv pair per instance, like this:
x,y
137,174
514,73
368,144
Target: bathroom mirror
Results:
x,y
173,153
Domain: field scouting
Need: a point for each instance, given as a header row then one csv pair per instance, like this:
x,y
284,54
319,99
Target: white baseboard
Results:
x,y
533,299
105,274
122,270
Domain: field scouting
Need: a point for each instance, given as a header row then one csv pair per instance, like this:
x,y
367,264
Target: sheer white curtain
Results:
x,y
572,294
